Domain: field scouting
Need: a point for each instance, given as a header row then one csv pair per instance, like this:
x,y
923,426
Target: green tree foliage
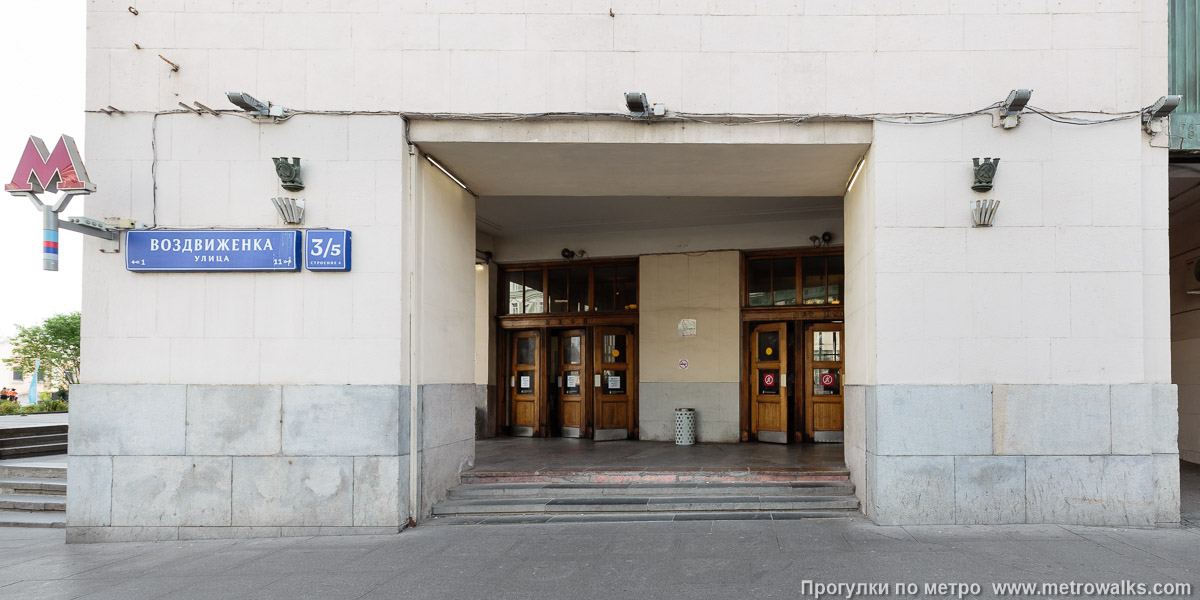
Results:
x,y
56,343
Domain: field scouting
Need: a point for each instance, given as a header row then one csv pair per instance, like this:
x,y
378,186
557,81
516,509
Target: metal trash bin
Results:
x,y
685,426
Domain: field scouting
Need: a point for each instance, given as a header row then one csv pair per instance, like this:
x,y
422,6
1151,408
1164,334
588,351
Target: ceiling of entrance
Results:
x,y
595,169
504,216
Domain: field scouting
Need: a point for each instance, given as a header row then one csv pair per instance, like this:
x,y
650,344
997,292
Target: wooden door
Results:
x,y
613,387
824,354
573,376
525,383
768,387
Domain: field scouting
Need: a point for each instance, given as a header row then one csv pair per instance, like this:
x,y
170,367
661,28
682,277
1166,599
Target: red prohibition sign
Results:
x,y
827,379
769,379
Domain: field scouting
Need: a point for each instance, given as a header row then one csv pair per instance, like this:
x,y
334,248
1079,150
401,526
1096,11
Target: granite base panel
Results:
x,y
230,461
1100,455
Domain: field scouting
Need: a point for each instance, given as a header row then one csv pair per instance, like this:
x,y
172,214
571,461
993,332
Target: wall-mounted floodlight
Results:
x,y
1153,115
637,104
1010,111
254,106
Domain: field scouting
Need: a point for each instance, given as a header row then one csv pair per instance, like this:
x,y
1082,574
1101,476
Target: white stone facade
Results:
x,y
968,348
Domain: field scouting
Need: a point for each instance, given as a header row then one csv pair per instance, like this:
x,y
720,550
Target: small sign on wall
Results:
x,y
687,328
327,250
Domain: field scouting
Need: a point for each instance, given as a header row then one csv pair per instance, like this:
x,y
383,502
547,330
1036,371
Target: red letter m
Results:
x,y
41,171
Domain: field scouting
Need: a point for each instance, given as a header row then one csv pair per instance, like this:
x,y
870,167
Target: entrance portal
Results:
x,y
577,383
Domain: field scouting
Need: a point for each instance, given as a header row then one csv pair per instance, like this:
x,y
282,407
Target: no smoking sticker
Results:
x,y
683,363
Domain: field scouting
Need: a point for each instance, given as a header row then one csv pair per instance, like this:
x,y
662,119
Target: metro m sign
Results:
x,y
40,171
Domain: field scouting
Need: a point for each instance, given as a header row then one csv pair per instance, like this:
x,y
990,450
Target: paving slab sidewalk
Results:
x,y
698,559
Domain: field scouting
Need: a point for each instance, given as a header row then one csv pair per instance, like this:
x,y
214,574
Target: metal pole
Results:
x,y
49,238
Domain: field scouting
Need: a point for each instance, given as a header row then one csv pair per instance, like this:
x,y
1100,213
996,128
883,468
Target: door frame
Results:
x,y
631,383
782,367
537,428
827,435
585,375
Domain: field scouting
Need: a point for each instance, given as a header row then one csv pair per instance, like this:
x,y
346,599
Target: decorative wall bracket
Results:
x,y
290,210
983,211
289,173
984,173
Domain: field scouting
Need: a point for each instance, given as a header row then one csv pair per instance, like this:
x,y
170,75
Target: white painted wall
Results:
x,y
695,55
1067,287
246,328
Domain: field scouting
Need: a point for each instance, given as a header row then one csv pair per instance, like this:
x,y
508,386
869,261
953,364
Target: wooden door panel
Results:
x,y
525,386
572,381
824,357
614,390
827,416
768,386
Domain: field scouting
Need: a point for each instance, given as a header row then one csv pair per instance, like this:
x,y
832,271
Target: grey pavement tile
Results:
x,y
946,533
299,560
1036,532
55,589
481,545
138,589
319,586
224,586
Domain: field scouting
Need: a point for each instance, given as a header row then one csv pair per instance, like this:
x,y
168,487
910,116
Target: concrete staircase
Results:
x,y
33,496
34,440
621,495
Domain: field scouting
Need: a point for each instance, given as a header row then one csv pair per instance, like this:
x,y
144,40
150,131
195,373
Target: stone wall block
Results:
x,y
1166,489
913,490
1165,398
377,490
293,491
236,420
1132,419
989,489
169,491
127,419
1051,419
338,420
89,491
1091,490
446,414
717,410
933,419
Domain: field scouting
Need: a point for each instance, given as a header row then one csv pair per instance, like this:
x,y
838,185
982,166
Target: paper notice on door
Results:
x,y
614,383
572,381
525,381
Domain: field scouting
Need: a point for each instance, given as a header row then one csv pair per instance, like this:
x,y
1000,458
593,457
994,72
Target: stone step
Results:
x,y
783,475
645,504
31,430
34,450
21,518
40,486
33,502
33,440
634,517
566,490
40,471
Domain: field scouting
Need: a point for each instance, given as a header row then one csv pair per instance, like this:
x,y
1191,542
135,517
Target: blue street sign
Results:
x,y
167,250
327,250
